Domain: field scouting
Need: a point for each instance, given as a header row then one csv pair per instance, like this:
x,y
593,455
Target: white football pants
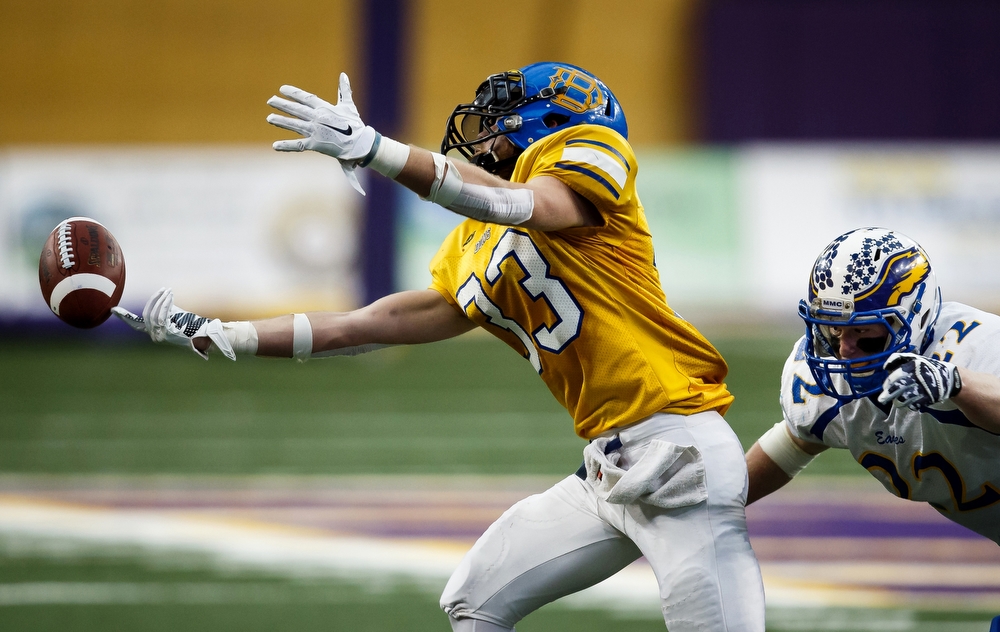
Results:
x,y
567,538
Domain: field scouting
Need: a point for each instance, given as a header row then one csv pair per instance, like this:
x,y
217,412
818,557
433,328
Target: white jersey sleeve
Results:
x,y
810,415
967,337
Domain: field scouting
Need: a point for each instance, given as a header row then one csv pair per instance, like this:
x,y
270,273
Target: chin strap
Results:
x,y
488,161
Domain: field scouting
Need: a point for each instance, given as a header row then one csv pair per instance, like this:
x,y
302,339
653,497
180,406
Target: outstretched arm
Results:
x,y
544,203
979,399
765,475
553,205
775,459
404,318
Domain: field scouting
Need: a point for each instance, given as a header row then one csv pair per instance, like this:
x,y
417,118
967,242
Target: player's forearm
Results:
x,y
777,458
418,173
281,336
274,336
327,332
545,203
979,399
457,186
403,318
764,474
393,320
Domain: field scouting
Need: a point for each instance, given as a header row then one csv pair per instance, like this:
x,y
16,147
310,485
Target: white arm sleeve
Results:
x,y
494,204
777,444
487,204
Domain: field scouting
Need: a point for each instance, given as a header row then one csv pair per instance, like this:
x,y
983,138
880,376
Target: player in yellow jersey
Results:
x,y
556,260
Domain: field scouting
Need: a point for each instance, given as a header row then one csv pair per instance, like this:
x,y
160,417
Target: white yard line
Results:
x,y
303,552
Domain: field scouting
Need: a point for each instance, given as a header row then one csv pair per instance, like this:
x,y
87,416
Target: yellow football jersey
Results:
x,y
585,305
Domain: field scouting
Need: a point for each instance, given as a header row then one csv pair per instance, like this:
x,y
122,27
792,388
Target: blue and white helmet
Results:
x,y
528,104
869,276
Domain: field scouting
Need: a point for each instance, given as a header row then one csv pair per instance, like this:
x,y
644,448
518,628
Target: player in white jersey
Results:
x,y
909,384
556,260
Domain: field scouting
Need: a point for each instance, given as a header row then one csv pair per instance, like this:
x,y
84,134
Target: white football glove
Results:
x,y
165,322
919,382
334,130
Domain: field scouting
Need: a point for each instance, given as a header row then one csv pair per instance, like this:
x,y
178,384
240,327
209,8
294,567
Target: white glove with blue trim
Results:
x,y
334,130
919,382
165,322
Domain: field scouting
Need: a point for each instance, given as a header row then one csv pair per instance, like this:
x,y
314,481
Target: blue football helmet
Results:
x,y
528,104
866,277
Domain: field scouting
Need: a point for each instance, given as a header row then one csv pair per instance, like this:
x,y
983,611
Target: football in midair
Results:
x,y
81,272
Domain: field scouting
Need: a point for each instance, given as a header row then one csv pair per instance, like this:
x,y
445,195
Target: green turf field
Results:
x,y
123,595
456,407
42,593
468,406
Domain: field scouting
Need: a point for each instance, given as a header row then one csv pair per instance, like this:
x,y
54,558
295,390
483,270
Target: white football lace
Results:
x,y
65,245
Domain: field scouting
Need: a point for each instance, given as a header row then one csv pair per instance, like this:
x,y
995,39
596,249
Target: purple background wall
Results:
x,y
384,46
850,69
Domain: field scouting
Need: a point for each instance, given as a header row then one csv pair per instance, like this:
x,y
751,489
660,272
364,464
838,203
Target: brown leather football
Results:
x,y
81,272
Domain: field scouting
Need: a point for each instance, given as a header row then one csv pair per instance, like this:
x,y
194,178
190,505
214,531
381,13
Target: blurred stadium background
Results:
x,y
142,489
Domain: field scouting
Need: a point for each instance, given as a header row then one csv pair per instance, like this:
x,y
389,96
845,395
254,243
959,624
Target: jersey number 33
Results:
x,y
538,282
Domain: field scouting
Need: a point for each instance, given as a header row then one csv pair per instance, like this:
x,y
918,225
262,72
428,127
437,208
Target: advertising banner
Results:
x,y
242,231
795,199
248,232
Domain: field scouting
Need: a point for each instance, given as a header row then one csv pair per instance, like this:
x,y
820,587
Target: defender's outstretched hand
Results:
x,y
165,322
334,130
917,381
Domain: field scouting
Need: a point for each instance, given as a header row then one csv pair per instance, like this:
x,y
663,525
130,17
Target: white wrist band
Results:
x,y
302,337
242,336
390,157
777,444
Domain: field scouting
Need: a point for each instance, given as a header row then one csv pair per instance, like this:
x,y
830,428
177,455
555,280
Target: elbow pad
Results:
x,y
498,205
777,444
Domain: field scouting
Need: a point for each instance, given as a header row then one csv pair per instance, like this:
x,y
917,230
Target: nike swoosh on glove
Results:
x,y
334,130
919,382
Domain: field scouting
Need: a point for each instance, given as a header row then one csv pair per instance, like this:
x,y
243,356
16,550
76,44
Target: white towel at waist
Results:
x,y
667,475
